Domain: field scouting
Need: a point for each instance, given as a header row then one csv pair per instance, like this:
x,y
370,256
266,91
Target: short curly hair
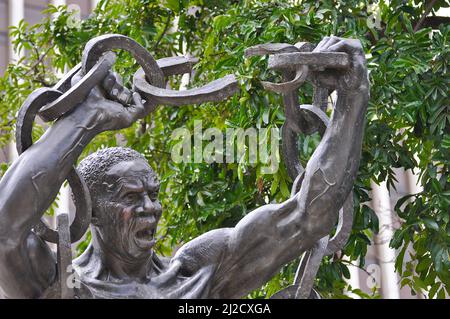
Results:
x,y
93,168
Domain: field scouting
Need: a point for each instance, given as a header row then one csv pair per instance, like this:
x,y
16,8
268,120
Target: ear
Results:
x,y
95,221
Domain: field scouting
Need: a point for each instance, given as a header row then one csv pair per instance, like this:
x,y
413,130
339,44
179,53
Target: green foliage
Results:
x,y
408,121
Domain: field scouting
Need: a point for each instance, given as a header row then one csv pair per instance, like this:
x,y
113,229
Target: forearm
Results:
x,y
331,171
34,179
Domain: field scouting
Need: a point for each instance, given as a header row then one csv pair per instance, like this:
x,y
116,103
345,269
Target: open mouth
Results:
x,y
144,237
145,234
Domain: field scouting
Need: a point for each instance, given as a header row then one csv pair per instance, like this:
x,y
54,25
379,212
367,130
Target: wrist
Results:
x,y
360,88
84,118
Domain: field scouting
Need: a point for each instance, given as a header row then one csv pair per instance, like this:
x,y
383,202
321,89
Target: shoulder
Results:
x,y
27,267
207,249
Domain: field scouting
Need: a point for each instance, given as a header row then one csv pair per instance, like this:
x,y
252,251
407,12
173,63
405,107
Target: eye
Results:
x,y
153,195
132,196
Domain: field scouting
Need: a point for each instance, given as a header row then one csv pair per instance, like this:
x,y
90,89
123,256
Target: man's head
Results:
x,y
124,192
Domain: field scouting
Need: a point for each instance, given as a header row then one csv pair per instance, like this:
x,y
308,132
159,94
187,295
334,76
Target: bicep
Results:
x,y
27,268
205,250
248,255
260,244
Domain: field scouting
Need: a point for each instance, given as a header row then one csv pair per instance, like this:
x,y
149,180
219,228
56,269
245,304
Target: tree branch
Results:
x,y
166,26
434,22
427,12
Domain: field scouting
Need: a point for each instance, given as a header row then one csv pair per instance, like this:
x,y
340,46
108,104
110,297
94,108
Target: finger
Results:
x,y
325,43
138,100
329,43
321,44
341,46
119,79
115,90
109,81
137,110
349,46
112,78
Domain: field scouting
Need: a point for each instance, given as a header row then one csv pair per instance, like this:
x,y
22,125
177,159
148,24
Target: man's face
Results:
x,y
129,210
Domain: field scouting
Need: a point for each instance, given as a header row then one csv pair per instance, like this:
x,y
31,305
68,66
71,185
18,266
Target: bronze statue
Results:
x,y
122,188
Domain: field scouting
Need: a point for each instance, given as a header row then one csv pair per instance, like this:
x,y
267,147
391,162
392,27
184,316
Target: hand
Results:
x,y
109,114
352,79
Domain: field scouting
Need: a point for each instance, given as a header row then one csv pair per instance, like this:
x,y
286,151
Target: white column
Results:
x,y
353,281
16,10
185,78
386,255
94,4
58,2
12,152
414,187
413,182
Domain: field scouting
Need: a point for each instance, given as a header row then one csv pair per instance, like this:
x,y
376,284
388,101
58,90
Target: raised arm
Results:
x,y
332,169
271,236
27,266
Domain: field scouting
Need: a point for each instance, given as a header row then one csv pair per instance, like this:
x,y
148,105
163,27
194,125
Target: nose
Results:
x,y
149,207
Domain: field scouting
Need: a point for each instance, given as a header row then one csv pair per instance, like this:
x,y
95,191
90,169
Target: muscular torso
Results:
x,y
196,270
167,281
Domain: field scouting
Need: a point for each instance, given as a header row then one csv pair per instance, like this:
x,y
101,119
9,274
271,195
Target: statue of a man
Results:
x,y
119,262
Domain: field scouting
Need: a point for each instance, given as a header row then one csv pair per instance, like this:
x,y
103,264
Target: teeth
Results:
x,y
144,233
